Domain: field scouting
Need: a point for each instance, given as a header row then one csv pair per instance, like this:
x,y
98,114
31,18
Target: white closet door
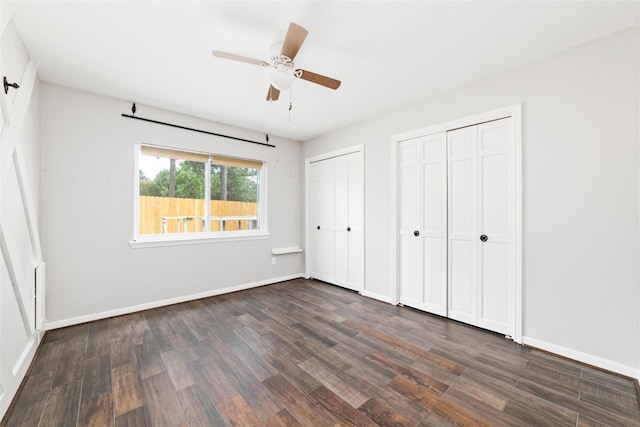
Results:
x,y
496,255
336,225
423,223
462,218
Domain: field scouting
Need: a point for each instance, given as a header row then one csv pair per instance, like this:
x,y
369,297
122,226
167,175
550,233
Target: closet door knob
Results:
x,y
318,227
416,233
484,238
348,228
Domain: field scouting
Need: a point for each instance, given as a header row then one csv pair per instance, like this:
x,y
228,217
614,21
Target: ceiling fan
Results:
x,y
282,56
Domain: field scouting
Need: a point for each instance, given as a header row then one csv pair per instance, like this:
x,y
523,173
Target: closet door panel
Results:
x,y
462,197
410,245
411,288
328,266
341,219
328,226
462,281
494,288
322,221
341,258
435,257
341,192
494,210
434,236
462,216
356,261
315,216
356,204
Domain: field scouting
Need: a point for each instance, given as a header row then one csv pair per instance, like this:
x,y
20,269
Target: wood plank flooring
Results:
x,y
311,354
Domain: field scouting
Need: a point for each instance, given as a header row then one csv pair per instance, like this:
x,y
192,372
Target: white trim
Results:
x,y
377,296
336,153
195,239
161,303
514,111
517,126
307,189
395,290
24,357
263,198
579,356
207,190
638,205
286,250
458,123
136,189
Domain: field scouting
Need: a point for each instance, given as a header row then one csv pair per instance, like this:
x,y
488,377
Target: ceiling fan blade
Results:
x,y
317,79
292,42
273,94
235,57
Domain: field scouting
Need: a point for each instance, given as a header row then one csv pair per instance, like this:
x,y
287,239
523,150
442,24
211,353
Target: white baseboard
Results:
x,y
377,296
579,356
20,368
146,306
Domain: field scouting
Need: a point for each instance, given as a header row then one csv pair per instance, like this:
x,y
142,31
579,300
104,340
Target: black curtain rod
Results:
x,y
198,130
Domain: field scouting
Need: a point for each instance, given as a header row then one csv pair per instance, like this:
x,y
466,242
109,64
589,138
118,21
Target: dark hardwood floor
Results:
x,y
306,353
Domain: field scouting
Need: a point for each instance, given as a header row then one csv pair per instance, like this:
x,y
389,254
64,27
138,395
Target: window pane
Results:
x,y
171,195
234,197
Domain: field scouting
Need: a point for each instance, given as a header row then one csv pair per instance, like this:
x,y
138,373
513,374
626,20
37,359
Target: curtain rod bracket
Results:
x,y
7,85
133,109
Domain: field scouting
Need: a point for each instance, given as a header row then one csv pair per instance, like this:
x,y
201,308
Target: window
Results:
x,y
190,196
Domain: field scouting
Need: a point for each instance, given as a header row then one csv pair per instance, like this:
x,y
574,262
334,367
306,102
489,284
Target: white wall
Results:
x,y
580,186
87,200
19,211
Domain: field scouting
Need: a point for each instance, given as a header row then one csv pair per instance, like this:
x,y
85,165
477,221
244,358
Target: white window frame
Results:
x,y
152,240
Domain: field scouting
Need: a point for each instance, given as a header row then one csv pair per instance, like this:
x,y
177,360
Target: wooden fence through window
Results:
x,y
154,209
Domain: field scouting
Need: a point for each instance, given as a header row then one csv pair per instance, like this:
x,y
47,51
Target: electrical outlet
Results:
x,y
273,260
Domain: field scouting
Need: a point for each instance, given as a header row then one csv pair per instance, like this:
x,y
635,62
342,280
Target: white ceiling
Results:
x,y
386,53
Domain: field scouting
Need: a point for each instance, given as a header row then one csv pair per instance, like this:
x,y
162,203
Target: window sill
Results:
x,y
194,239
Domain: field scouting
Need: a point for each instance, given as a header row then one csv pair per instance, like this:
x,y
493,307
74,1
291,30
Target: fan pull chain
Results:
x,y
290,104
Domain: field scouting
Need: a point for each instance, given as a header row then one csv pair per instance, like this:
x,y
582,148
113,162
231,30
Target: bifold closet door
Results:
x,y
481,221
336,230
423,223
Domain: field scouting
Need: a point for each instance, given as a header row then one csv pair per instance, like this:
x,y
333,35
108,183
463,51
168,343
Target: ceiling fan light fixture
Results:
x,y
281,79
